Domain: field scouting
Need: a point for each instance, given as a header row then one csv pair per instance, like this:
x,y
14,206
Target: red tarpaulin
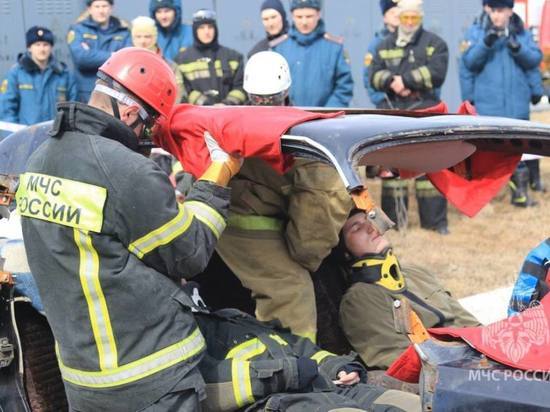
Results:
x,y
253,131
521,341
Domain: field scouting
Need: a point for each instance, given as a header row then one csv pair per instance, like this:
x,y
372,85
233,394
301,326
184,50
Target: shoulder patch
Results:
x,y
124,24
334,39
465,45
275,42
368,59
71,36
4,86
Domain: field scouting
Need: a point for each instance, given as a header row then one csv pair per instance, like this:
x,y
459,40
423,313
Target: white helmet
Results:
x,y
267,74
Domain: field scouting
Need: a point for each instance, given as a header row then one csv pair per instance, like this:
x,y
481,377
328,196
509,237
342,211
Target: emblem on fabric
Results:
x,y
515,337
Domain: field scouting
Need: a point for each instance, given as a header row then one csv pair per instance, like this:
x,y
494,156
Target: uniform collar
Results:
x,y
307,39
79,117
30,66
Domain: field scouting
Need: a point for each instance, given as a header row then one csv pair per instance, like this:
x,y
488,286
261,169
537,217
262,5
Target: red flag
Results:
x,y
521,341
253,131
406,367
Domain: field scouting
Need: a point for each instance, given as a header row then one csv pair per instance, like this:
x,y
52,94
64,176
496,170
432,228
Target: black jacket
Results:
x,y
422,63
212,75
108,245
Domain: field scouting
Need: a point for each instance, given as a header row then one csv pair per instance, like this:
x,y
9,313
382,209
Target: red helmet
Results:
x,y
146,75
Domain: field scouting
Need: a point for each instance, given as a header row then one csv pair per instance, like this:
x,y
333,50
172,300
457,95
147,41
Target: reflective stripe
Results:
x,y
278,339
194,96
394,183
207,215
427,76
322,354
430,51
141,368
251,222
392,53
242,386
164,234
133,371
380,77
247,350
234,64
193,66
97,306
424,185
237,95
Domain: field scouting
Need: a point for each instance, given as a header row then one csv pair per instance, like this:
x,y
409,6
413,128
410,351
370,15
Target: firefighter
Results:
x,y
500,75
264,367
107,265
38,81
378,286
281,226
145,35
409,65
275,23
390,12
173,36
92,40
213,74
315,58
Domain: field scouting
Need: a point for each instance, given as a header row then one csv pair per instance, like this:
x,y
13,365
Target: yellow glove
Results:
x,y
224,166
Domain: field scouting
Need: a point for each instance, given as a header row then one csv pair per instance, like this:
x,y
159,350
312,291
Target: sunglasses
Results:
x,y
410,19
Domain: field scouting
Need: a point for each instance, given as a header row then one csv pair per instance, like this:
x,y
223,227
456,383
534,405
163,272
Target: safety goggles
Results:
x,y
412,19
204,14
277,99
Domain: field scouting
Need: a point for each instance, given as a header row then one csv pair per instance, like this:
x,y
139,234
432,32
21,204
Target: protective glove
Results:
x,y
535,99
224,166
491,37
307,372
513,43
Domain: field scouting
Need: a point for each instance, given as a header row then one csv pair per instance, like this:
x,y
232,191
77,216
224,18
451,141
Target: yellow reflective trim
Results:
x,y
237,95
391,53
234,65
163,235
207,215
379,78
177,167
246,350
242,385
194,96
193,66
278,339
427,76
430,51
139,369
322,354
90,36
97,305
424,185
26,86
251,222
62,201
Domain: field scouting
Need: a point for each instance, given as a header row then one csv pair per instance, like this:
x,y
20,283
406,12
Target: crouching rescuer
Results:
x,y
107,264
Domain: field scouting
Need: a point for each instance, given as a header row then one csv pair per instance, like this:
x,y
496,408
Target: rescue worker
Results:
x,y
370,310
408,66
315,58
145,35
281,226
390,12
173,36
92,40
275,23
264,367
107,266
500,75
212,73
35,84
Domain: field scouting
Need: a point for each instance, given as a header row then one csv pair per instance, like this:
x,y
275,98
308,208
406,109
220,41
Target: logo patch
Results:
x,y
368,59
71,36
4,86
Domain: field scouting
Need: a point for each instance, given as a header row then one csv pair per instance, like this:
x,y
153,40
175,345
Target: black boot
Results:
x,y
432,206
519,183
534,175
